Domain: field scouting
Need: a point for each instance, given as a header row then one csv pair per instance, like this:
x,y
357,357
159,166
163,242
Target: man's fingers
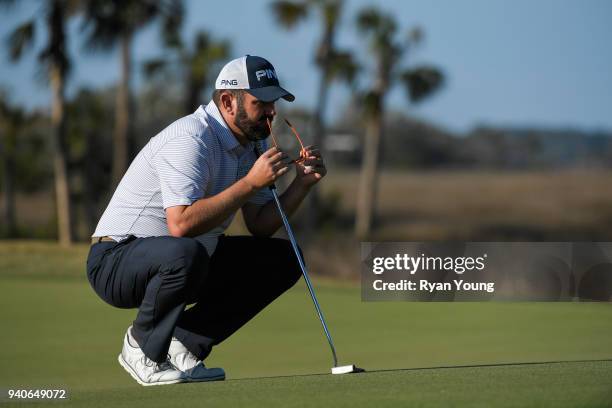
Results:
x,y
321,170
313,162
278,157
313,155
313,150
271,152
282,171
278,165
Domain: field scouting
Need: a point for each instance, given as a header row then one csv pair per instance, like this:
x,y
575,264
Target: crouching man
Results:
x,y
159,245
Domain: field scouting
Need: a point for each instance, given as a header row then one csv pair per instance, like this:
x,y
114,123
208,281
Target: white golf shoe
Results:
x,y
144,370
193,369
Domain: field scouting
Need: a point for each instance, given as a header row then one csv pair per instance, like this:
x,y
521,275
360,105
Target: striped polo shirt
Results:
x,y
195,157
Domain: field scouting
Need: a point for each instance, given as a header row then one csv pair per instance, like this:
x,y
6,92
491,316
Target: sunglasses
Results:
x,y
297,135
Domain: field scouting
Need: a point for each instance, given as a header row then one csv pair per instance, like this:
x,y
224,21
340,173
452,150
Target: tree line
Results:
x,y
113,24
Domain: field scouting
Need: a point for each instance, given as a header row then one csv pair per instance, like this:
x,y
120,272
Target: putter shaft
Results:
x,y
258,151
305,273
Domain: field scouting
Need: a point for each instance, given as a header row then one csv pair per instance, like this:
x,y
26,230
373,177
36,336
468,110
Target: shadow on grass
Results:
x,y
531,363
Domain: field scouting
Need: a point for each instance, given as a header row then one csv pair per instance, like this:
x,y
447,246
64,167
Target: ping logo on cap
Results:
x,y
269,73
255,75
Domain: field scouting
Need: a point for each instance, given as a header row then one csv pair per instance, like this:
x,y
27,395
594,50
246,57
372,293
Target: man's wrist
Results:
x,y
250,187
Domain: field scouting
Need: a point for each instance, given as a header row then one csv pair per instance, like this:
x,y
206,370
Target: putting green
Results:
x,y
57,333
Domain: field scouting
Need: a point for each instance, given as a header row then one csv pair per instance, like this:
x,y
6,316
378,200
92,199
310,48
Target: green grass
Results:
x,y
56,332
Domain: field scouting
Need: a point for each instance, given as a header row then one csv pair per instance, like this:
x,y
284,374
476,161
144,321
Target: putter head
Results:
x,y
347,369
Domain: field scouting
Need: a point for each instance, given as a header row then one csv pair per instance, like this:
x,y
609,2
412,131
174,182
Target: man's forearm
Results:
x,y
207,213
268,220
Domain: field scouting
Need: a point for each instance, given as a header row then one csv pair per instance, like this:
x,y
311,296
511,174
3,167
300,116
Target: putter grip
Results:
x,y
258,152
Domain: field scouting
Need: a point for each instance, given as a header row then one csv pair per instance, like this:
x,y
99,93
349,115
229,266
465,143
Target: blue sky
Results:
x,y
545,63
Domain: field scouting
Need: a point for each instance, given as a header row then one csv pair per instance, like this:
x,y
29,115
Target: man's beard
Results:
x,y
254,130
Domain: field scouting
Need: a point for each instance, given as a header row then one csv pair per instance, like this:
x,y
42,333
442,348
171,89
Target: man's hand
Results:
x,y
269,166
310,169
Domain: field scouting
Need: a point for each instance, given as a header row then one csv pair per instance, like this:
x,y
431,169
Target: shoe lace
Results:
x,y
147,361
164,365
170,364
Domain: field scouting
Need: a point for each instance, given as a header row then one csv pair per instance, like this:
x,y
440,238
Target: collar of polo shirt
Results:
x,y
223,132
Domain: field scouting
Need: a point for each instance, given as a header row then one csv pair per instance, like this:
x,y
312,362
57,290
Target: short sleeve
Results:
x,y
182,165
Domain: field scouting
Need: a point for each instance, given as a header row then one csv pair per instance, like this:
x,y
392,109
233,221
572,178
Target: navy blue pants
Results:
x,y
162,275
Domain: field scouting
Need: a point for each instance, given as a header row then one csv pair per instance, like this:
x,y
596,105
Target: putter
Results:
x,y
346,369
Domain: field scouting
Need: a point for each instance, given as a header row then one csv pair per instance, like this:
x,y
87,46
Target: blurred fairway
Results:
x,y
56,332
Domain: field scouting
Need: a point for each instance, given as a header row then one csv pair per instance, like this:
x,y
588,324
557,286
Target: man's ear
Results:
x,y
227,102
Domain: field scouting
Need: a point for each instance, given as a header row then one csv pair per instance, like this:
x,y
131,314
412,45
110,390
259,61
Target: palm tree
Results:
x,y
116,22
380,30
55,58
333,64
195,65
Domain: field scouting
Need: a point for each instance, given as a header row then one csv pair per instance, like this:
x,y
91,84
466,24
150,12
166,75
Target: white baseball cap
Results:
x,y
256,76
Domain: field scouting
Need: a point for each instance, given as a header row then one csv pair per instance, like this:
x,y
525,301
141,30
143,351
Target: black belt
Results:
x,y
96,240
